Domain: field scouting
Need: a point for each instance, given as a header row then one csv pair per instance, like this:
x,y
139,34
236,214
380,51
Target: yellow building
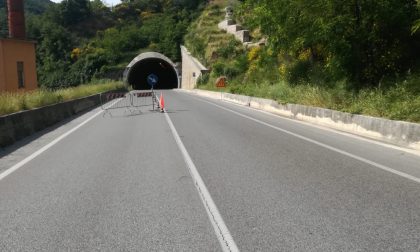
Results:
x,y
17,65
17,55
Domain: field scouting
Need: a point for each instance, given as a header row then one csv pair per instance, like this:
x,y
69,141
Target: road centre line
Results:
x,y
49,145
345,153
222,232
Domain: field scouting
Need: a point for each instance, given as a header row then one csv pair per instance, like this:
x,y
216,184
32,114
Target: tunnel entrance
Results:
x,y
151,69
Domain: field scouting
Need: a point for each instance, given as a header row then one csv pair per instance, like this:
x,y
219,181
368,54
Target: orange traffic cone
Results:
x,y
161,103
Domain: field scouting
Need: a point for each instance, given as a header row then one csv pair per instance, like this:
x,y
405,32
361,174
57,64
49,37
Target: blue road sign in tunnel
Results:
x,y
152,80
151,70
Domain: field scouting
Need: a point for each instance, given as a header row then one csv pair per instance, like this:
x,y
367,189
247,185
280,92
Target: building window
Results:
x,y
194,74
21,74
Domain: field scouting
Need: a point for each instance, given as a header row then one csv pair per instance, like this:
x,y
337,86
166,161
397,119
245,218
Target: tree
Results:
x,y
367,39
74,11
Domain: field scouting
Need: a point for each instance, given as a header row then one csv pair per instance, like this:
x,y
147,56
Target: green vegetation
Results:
x,y
32,7
14,102
80,40
401,102
358,57
355,56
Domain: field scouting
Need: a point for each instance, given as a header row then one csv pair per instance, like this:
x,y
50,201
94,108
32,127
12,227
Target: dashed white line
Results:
x,y
219,226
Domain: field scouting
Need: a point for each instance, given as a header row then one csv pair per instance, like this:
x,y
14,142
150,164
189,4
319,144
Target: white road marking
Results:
x,y
377,142
367,161
219,226
46,147
326,128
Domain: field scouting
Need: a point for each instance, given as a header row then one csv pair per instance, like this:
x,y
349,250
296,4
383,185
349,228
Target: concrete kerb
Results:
x,y
399,133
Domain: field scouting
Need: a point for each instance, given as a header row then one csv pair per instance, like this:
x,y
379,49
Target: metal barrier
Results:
x,y
129,101
123,102
143,99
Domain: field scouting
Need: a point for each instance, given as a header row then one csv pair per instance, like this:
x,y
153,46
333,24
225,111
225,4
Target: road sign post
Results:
x,y
221,83
152,80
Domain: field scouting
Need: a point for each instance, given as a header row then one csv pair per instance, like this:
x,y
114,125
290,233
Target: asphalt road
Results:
x,y
121,182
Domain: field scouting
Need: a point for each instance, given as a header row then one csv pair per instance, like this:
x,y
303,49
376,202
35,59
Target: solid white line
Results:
x,y
219,226
343,133
46,147
383,167
325,128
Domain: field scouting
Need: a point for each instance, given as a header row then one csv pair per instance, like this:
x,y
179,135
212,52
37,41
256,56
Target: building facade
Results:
x,y
17,65
17,54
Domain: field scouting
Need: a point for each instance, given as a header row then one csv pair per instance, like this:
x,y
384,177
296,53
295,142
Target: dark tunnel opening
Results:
x,y
152,70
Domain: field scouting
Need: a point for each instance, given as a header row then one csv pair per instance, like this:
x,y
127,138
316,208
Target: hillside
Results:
x,y
32,7
321,59
82,40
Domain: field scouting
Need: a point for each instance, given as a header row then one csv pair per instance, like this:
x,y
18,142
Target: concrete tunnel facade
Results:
x,y
151,67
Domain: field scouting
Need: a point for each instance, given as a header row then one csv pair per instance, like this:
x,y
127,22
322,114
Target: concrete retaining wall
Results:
x,y
242,36
19,125
230,27
192,69
225,24
234,28
395,132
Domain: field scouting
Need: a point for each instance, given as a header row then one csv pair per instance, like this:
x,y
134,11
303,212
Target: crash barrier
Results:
x,y
129,101
16,126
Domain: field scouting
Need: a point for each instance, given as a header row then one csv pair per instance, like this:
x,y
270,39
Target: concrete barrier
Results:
x,y
21,124
192,69
400,133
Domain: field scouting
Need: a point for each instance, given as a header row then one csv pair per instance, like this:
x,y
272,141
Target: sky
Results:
x,y
107,2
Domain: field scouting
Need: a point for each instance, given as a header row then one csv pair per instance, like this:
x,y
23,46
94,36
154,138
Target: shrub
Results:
x,y
203,80
228,50
298,72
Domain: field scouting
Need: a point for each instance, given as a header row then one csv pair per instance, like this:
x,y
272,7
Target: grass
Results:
x,y
399,102
18,101
204,37
253,76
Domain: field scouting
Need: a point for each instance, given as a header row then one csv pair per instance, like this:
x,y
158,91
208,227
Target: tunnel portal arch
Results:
x,y
153,66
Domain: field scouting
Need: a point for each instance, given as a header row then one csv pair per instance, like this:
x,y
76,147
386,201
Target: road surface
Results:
x,y
206,176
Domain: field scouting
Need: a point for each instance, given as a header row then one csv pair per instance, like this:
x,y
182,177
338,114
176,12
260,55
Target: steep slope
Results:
x,y
214,48
305,69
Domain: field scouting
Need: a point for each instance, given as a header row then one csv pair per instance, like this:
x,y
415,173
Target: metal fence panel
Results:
x,y
123,102
130,100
